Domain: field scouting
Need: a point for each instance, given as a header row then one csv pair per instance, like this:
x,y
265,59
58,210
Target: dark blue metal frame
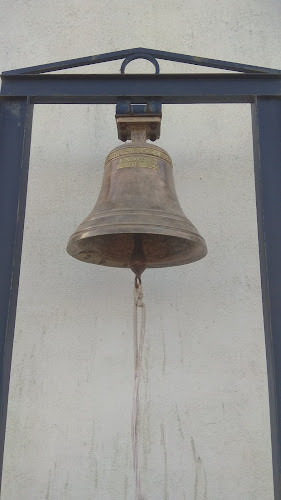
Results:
x,y
259,86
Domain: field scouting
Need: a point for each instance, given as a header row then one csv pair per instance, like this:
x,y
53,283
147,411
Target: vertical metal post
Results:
x,y
266,119
15,136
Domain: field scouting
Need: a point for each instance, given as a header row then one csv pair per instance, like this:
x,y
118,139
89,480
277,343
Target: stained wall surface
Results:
x,y
204,402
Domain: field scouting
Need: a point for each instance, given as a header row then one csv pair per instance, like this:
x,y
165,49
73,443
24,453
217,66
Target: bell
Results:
x,y
137,221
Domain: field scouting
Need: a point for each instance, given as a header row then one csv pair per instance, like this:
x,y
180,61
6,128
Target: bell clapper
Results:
x,y
137,261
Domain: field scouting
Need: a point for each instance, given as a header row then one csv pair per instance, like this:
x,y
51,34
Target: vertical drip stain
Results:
x,y
163,443
164,352
179,423
200,485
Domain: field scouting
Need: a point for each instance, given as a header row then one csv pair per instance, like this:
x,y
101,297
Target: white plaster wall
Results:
x,y
205,418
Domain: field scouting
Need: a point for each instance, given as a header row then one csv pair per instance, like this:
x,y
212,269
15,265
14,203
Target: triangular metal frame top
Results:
x,y
136,53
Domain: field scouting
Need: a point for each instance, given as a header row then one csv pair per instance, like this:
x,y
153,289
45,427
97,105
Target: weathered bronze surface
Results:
x,y
131,150
137,197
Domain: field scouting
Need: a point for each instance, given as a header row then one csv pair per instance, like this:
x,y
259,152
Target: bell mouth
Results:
x,y
115,250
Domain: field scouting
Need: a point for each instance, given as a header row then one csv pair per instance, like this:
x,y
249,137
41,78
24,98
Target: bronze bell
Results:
x,y
137,221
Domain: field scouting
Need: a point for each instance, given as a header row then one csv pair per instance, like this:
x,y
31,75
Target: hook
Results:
x,y
140,56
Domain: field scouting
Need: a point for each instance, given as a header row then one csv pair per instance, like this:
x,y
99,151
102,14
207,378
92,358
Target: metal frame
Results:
x,y
259,86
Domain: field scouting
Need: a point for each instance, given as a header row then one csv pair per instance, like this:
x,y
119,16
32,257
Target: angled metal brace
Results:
x,y
141,52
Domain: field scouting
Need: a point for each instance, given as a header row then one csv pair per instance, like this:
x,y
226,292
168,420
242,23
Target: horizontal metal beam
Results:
x,y
172,89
